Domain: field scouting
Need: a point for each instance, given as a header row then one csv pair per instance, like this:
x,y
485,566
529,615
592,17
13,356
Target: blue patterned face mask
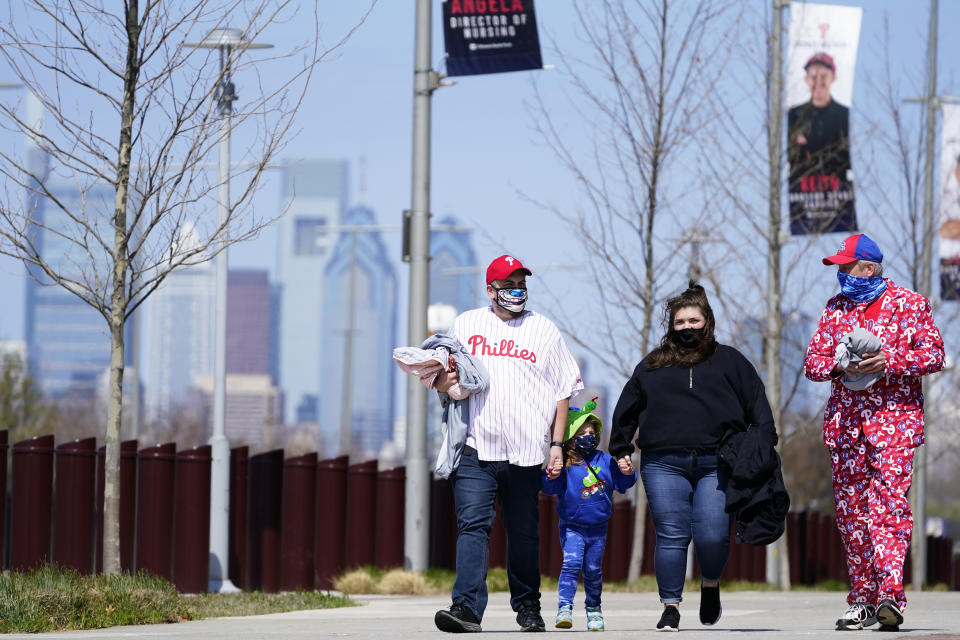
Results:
x,y
586,444
860,289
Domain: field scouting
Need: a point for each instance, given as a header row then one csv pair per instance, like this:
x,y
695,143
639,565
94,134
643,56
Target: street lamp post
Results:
x,y
225,41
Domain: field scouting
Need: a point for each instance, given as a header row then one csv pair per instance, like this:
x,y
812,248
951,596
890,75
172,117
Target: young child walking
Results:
x,y
585,488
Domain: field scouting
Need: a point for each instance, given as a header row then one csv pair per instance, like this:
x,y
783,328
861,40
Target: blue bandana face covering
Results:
x,y
860,289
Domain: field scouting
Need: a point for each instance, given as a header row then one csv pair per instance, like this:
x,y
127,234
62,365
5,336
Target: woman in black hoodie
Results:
x,y
682,400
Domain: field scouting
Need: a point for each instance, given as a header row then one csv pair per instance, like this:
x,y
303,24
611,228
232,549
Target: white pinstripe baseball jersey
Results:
x,y
530,370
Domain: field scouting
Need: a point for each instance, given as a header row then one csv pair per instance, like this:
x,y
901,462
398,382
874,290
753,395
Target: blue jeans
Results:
x,y
685,491
476,485
582,551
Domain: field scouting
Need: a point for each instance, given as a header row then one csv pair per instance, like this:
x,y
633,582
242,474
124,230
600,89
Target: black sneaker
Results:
x,y
670,620
710,608
889,616
528,617
458,619
857,616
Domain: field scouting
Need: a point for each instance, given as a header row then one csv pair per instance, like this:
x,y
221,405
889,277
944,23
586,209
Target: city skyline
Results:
x,y
490,168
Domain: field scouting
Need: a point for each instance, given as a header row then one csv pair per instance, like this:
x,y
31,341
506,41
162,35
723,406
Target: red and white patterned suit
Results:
x,y
872,434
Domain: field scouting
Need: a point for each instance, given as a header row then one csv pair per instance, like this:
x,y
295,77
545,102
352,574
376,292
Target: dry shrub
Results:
x,y
399,581
356,581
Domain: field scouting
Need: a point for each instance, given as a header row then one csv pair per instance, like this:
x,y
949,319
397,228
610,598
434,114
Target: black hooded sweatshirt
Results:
x,y
690,408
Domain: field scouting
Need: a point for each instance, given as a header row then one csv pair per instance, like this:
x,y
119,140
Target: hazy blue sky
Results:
x,y
484,150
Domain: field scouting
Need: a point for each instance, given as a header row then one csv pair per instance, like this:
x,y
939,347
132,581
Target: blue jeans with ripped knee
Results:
x,y
582,553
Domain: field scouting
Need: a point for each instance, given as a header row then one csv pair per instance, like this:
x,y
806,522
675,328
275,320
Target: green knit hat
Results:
x,y
576,417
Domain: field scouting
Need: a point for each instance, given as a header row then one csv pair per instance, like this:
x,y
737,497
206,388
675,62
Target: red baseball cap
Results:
x,y
503,266
856,247
823,58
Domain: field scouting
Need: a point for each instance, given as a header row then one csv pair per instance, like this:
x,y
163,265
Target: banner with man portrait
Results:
x,y
821,56
490,36
950,204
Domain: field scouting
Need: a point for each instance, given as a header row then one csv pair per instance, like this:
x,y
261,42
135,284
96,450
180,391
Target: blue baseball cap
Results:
x,y
856,247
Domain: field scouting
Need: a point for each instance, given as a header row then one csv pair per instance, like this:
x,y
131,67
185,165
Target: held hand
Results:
x,y
872,363
555,464
626,465
445,380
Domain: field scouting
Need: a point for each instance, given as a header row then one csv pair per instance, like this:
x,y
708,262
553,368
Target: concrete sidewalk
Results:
x,y
756,615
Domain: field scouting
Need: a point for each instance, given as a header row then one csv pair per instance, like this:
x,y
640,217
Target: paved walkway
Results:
x,y
754,615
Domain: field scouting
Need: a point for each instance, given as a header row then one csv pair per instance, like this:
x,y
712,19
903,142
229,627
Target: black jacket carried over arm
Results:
x,y
755,491
719,404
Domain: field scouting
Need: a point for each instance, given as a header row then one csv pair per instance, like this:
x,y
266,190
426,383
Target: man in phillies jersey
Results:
x,y
512,427
873,433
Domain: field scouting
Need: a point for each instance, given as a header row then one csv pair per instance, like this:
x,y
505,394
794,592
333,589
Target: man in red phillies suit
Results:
x,y
872,432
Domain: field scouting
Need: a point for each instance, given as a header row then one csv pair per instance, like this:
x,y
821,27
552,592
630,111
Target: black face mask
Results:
x,y
688,338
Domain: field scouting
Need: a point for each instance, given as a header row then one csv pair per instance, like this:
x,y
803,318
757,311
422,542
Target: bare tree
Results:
x,y
130,122
641,96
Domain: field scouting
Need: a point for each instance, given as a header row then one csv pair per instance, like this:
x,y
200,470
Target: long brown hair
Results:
x,y
671,354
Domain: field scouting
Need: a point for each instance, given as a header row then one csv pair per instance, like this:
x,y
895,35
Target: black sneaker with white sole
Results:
x,y
457,619
670,620
857,616
889,616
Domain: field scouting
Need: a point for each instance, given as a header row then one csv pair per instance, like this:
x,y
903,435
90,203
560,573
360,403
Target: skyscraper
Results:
x,y
312,198
360,329
248,322
181,317
454,280
68,341
453,264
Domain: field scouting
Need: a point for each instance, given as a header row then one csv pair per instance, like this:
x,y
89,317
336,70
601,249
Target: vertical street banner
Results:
x,y
490,36
821,56
950,204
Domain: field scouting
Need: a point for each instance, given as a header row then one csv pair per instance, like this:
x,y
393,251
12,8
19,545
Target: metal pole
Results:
x,y
918,493
417,489
778,568
220,447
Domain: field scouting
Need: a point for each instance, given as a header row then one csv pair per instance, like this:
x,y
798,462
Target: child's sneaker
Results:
x,y
564,617
594,619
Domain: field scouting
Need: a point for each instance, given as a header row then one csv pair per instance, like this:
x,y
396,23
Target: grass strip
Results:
x,y
52,599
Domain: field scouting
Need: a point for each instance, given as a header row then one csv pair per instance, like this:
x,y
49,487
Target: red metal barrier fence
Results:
x,y
331,520
3,497
299,498
361,514
237,523
191,527
155,473
31,508
299,523
263,532
75,506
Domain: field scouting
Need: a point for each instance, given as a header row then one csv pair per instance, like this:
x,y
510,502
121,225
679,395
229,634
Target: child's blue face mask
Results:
x,y
586,444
